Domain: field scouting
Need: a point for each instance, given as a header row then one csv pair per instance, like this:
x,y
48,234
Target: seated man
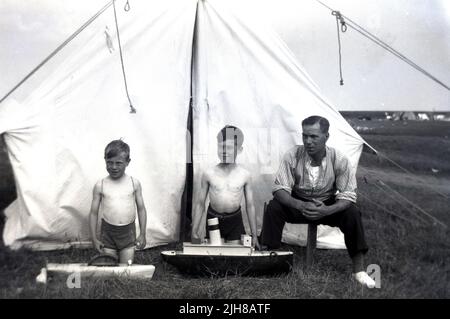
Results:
x,y
227,184
305,190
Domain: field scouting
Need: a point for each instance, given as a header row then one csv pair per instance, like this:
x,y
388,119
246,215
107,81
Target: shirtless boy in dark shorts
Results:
x,y
116,199
226,184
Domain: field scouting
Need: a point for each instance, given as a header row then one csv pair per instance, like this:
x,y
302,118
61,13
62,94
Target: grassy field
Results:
x,y
411,248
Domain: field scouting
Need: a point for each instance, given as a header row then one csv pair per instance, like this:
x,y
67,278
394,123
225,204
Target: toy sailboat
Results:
x,y
215,257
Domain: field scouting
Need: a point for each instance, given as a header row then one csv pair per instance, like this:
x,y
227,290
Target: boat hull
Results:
x,y
258,263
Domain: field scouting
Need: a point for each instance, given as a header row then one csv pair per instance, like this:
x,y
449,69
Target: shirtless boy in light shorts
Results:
x,y
226,183
117,197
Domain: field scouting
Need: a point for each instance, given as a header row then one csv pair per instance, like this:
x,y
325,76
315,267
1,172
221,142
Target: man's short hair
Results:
x,y
117,147
323,122
231,132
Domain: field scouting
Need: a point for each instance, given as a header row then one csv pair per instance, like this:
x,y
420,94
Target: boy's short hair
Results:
x,y
116,147
323,122
231,132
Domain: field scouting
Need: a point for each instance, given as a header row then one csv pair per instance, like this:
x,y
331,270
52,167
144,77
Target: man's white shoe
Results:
x,y
364,279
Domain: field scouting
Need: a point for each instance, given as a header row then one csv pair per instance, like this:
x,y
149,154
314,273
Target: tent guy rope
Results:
x,y
59,48
126,8
343,28
350,23
383,208
400,196
395,199
382,155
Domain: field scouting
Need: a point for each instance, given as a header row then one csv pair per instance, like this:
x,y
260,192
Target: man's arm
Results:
x,y
285,179
93,216
339,206
250,209
142,215
198,212
321,210
345,178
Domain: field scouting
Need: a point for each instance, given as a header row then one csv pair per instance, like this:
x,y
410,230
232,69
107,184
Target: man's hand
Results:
x,y
98,245
316,210
141,242
199,235
302,206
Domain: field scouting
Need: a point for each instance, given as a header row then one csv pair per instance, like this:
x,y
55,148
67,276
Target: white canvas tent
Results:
x,y
241,73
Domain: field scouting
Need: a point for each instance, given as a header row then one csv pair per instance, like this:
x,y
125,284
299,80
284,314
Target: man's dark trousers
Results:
x,y
348,221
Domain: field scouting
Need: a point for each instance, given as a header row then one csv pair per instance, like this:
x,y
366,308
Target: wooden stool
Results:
x,y
311,241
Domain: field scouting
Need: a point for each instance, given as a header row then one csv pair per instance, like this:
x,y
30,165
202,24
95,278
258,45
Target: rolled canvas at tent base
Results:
x,y
144,272
47,245
327,237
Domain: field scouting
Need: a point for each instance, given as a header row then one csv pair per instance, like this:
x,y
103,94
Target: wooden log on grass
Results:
x,y
134,271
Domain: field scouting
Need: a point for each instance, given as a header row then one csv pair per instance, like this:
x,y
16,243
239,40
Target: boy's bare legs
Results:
x,y
126,254
123,256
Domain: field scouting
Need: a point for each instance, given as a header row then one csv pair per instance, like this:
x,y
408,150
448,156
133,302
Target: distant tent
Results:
x,y
442,117
242,74
404,116
423,116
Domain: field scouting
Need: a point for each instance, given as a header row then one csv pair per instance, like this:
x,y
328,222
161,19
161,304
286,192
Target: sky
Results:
x,y
373,79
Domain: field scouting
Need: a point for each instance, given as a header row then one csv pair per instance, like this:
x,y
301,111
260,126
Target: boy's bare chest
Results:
x,y
118,191
227,182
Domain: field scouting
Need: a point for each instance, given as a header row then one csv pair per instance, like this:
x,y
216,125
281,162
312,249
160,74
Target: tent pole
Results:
x,y
186,200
